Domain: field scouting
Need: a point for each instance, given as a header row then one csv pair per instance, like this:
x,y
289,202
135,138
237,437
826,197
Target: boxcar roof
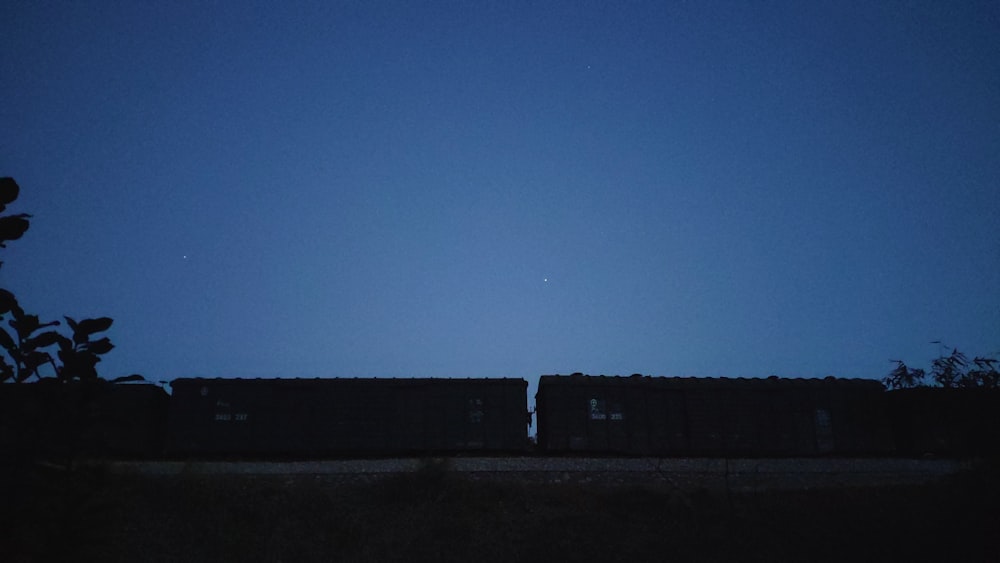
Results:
x,y
52,385
321,381
708,382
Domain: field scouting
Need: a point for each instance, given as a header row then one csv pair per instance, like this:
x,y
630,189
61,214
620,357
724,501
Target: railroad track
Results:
x,y
686,473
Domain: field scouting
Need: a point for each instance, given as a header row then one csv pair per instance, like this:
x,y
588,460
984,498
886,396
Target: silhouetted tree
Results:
x,y
951,371
27,347
985,374
903,377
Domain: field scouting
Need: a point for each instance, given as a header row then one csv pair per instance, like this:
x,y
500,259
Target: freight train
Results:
x,y
575,415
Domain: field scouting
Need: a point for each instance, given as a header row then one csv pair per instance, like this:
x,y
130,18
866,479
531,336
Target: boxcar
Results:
x,y
674,416
945,422
337,417
54,419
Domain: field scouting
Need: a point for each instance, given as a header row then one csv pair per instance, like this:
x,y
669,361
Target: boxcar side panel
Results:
x,y
319,417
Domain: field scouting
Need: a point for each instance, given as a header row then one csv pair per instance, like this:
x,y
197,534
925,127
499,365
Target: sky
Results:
x,y
507,189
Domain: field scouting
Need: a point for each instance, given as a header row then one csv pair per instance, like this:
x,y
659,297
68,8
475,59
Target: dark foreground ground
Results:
x,y
438,515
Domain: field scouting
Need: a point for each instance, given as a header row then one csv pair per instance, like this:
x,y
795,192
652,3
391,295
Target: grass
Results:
x,y
437,515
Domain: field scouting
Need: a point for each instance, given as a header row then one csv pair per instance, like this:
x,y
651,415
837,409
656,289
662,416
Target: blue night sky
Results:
x,y
495,189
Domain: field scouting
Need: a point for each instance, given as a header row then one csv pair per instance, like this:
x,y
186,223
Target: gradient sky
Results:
x,y
488,189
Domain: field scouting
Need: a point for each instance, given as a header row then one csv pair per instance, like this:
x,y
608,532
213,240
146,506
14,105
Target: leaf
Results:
x,y
6,341
90,326
65,343
13,227
9,190
102,346
958,358
71,323
35,358
43,340
7,301
127,378
984,363
78,365
25,325
17,311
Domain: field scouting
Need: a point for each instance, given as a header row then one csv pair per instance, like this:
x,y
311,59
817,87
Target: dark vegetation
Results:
x,y
954,371
436,515
28,345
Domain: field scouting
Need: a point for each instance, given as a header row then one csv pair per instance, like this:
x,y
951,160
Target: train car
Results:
x,y
340,417
53,419
933,421
675,416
